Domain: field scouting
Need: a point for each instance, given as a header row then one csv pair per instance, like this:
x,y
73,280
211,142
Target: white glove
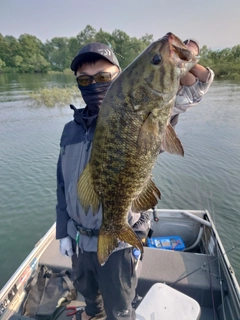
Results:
x,y
66,247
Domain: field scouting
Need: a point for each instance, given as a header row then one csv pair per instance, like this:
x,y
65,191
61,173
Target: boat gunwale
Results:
x,y
36,252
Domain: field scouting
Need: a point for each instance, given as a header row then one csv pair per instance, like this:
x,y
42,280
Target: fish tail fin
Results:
x,y
108,241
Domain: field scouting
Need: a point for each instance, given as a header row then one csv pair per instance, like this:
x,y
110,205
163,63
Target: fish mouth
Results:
x,y
178,47
183,54
183,58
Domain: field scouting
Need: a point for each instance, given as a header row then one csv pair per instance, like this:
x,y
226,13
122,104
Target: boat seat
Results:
x,y
53,258
168,267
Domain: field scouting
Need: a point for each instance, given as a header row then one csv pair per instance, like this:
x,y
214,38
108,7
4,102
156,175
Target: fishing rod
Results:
x,y
109,44
205,264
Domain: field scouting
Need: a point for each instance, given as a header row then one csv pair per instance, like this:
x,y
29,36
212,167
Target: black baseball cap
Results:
x,y
94,49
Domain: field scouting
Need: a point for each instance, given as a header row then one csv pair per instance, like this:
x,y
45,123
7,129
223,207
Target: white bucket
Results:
x,y
165,303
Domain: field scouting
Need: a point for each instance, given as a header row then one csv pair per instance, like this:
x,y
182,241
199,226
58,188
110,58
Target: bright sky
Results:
x,y
215,23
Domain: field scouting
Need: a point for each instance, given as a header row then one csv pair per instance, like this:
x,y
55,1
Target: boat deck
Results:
x,y
170,267
201,275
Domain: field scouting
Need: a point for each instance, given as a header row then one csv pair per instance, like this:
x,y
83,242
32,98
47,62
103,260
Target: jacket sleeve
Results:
x,y
189,96
141,227
62,216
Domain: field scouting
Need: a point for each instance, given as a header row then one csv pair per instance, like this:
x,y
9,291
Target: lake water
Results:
x,y
208,177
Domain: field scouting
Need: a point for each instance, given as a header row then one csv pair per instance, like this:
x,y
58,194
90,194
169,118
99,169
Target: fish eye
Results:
x,y
156,59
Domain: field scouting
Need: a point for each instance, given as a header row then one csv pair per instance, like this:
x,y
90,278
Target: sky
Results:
x,y
214,23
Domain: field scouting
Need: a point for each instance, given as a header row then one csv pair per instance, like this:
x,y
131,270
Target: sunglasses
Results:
x,y
85,80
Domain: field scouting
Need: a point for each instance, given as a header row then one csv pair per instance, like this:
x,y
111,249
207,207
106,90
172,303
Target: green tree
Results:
x,y
9,47
2,65
235,54
18,60
133,48
73,47
205,59
86,36
30,56
120,39
104,37
2,47
37,63
147,39
29,45
57,53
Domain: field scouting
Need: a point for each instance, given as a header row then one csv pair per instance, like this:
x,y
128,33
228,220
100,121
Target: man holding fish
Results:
x,y
104,185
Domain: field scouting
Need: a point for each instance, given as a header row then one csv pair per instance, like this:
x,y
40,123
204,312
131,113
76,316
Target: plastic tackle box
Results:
x,y
166,243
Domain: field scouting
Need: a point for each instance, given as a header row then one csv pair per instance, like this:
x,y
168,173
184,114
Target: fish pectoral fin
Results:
x,y
108,241
171,142
148,198
86,193
148,133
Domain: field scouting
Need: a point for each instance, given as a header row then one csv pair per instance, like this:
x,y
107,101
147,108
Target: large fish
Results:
x,y
132,127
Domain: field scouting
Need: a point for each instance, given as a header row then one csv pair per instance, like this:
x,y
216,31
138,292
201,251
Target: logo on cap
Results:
x,y
105,52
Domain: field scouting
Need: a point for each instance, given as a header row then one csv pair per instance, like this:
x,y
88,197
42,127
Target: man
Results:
x,y
109,288
193,86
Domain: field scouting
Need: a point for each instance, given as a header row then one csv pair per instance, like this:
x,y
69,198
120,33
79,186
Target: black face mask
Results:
x,y
93,95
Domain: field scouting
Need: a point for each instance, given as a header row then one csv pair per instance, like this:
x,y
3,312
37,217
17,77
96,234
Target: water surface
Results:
x,y
208,177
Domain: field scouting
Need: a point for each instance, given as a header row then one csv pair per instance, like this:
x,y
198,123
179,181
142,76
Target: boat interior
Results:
x,y
200,272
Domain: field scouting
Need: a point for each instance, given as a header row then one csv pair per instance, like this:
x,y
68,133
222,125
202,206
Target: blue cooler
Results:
x,y
166,243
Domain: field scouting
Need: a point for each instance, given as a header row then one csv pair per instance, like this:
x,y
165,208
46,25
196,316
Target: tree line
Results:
x,y
28,54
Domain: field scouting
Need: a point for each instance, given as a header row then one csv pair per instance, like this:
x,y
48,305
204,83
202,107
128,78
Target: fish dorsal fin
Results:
x,y
171,142
86,193
148,197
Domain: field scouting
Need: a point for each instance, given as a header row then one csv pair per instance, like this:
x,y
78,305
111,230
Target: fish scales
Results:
x,y
132,127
